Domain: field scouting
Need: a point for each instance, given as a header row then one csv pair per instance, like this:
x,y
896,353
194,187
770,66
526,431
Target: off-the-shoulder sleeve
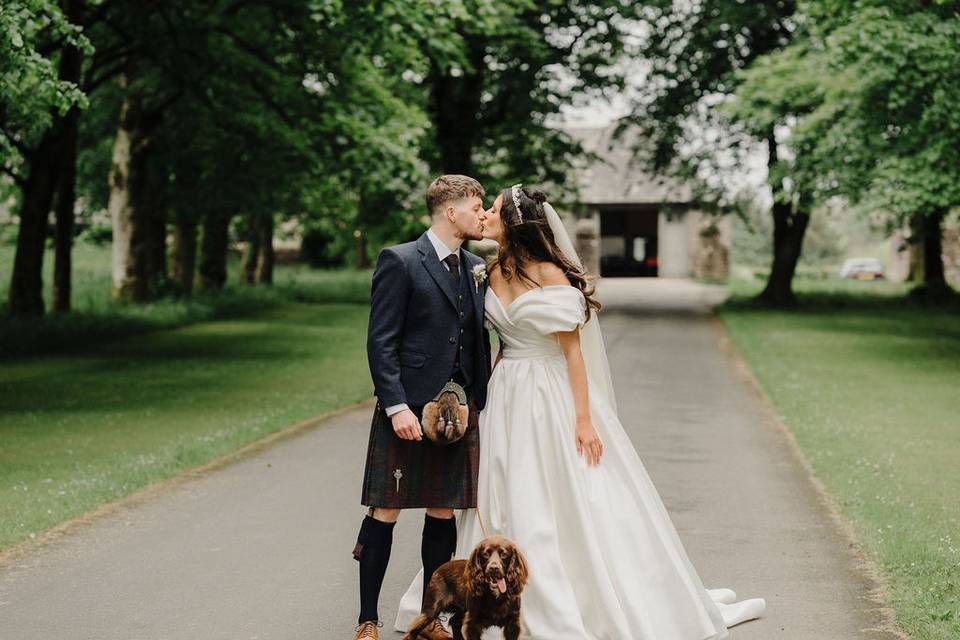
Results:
x,y
550,309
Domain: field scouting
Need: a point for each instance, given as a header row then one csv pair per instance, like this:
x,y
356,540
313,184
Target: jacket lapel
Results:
x,y
439,273
476,291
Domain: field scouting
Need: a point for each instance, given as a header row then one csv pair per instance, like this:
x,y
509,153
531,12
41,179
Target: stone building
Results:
x,y
629,223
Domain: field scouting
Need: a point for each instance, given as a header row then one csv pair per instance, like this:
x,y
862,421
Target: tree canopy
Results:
x,y
872,88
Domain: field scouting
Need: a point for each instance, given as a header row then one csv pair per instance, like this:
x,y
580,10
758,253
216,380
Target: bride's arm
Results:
x,y
588,441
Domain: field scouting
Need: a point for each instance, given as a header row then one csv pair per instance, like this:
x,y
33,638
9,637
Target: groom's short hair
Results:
x,y
451,187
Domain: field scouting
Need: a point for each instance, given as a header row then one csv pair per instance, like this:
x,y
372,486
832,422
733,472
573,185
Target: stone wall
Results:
x,y
587,241
673,243
710,242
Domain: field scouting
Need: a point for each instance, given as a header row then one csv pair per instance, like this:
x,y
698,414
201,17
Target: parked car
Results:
x,y
862,269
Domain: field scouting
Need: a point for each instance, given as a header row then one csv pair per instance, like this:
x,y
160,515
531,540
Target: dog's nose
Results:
x,y
494,564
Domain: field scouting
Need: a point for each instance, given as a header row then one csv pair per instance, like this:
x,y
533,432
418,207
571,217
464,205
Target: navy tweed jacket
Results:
x,y
414,322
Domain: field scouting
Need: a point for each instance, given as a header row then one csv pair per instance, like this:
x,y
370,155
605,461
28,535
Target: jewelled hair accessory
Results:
x,y
515,195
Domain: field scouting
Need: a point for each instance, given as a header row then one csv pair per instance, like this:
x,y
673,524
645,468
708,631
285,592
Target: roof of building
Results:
x,y
611,179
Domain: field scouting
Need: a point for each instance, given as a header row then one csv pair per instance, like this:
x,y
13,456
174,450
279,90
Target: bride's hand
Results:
x,y
588,442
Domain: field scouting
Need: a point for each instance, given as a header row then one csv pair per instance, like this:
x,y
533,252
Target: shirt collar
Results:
x,y
442,250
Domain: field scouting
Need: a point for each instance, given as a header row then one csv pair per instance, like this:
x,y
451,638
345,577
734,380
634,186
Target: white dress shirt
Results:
x,y
442,252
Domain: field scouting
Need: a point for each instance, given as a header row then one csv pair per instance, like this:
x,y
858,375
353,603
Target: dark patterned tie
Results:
x,y
453,261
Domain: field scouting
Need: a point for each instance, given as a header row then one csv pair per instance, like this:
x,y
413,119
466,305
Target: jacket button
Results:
x,y
452,340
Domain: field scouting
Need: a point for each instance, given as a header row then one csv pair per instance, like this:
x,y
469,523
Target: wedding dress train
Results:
x,y
604,558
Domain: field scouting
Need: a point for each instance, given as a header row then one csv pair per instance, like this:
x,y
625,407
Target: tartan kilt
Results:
x,y
432,475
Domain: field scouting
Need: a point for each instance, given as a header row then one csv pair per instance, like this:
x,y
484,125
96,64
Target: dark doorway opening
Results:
x,y
628,242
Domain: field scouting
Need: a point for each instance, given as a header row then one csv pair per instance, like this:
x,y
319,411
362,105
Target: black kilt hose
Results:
x,y
426,327
407,474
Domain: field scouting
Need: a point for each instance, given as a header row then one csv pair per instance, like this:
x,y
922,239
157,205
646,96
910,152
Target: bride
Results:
x,y
558,475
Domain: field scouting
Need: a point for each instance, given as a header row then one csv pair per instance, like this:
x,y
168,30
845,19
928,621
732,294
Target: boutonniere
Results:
x,y
479,275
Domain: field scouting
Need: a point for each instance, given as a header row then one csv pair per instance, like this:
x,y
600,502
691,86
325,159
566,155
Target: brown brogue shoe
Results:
x,y
368,630
436,631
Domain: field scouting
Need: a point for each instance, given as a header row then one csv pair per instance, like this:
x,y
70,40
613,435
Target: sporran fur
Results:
x,y
445,417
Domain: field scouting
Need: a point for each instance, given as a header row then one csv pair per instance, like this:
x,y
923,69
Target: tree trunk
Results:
x,y
789,227
455,105
914,248
46,162
361,262
251,254
933,273
155,242
928,233
265,255
66,199
70,63
184,254
213,251
132,205
26,282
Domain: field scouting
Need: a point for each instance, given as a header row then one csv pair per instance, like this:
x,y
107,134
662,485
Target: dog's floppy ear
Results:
x,y
517,574
476,577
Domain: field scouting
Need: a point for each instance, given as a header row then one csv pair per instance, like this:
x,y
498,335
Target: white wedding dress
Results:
x,y
604,558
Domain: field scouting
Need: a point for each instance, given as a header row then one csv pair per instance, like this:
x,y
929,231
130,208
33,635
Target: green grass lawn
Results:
x,y
96,423
870,385
110,398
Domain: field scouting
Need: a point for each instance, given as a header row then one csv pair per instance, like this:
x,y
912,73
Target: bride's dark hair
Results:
x,y
532,240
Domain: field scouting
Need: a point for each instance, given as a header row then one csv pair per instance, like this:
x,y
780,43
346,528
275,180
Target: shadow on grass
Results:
x,y
826,296
913,328
78,330
203,361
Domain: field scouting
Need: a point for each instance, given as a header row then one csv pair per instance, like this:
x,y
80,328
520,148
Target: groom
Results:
x,y
426,328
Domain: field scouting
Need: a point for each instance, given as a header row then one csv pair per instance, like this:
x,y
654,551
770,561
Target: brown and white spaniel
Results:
x,y
482,591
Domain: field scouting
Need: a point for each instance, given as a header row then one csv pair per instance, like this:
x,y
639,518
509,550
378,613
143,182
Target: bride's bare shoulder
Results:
x,y
550,274
493,272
